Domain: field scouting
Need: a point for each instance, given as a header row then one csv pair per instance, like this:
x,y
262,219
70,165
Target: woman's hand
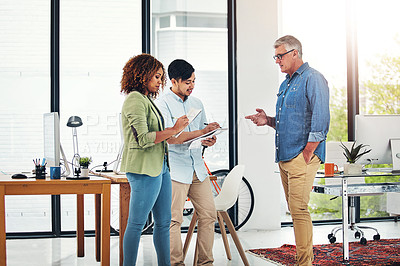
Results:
x,y
180,124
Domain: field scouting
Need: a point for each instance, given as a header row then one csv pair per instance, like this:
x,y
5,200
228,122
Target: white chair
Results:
x,y
225,200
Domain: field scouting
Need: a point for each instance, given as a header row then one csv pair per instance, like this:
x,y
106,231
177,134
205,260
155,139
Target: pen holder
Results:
x,y
40,172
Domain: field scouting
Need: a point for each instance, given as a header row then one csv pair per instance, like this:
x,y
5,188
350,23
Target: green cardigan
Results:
x,y
140,121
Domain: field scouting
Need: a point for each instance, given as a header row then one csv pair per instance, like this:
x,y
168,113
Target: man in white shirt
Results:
x,y
188,172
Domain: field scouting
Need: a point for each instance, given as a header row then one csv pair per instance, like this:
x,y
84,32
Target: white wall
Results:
x,y
258,82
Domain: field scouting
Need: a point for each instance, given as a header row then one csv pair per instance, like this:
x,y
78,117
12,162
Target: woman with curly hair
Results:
x,y
145,156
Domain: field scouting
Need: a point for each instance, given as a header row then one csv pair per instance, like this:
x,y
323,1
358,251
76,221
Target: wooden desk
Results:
x,y
94,185
124,197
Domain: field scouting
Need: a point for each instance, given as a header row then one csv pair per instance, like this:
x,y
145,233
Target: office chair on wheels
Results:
x,y
359,234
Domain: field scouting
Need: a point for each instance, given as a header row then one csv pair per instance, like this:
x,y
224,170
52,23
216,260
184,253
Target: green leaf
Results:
x,y
355,152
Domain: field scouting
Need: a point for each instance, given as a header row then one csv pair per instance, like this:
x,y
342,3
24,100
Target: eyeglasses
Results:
x,y
279,56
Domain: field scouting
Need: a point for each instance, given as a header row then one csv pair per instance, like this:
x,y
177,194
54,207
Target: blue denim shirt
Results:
x,y
302,114
183,162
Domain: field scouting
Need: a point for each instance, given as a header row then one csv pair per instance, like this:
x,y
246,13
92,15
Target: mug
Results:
x,y
55,172
330,169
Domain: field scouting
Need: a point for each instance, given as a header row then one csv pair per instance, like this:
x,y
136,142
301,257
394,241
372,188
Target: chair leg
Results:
x,y
224,237
196,256
234,235
189,234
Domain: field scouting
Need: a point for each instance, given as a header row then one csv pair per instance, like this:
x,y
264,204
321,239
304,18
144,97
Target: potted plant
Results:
x,y
84,164
352,155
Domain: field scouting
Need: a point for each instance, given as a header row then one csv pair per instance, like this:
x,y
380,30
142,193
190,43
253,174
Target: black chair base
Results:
x,y
359,234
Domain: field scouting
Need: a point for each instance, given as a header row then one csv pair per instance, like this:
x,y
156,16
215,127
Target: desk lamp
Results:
x,y
74,122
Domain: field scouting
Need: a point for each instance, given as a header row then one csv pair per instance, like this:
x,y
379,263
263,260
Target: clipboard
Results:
x,y
207,135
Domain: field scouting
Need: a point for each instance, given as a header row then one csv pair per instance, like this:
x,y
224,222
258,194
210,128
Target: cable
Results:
x,y
105,165
95,167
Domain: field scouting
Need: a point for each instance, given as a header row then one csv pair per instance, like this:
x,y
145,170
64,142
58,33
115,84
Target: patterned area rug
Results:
x,y
382,252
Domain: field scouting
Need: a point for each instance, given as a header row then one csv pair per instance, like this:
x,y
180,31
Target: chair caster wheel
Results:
x,y
357,235
330,236
332,239
363,241
377,237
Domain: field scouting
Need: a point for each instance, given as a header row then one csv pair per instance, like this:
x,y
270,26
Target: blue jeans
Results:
x,y
149,194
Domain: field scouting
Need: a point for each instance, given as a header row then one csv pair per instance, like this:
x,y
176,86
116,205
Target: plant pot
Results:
x,y
352,169
85,172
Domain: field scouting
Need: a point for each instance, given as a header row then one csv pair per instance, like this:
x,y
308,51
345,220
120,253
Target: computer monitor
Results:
x,y
382,134
51,140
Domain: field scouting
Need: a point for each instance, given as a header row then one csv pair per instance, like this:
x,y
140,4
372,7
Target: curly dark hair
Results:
x,y
138,71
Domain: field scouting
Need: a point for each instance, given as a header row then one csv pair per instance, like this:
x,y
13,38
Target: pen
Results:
x,y
206,124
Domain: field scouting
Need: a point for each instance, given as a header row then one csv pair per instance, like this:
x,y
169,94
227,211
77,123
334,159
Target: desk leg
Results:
x,y
97,210
105,225
124,197
3,259
80,223
345,220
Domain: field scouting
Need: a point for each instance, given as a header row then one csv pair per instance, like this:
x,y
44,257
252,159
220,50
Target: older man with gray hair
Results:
x,y
301,123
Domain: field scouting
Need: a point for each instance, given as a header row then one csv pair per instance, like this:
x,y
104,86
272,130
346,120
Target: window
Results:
x,y
25,87
378,57
323,37
165,22
324,45
379,75
193,21
208,58
189,38
97,38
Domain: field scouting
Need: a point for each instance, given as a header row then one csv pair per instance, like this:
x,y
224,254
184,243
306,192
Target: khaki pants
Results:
x,y
201,196
297,180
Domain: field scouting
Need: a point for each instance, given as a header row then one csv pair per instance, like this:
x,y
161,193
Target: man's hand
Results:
x,y
308,151
261,119
210,127
209,141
